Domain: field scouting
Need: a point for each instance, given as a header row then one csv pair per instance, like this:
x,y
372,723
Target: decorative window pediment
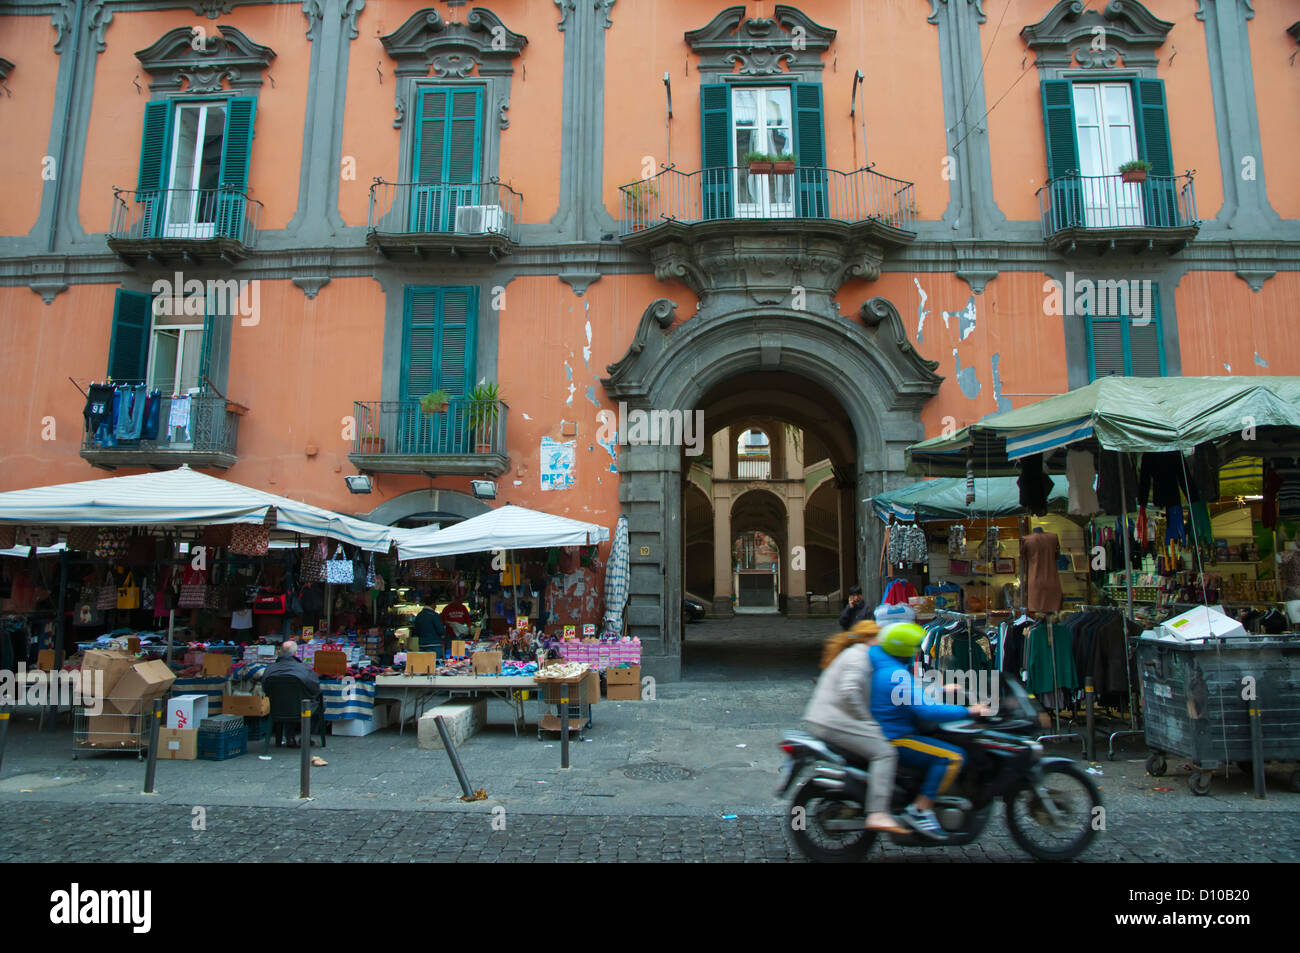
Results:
x,y
427,43
182,62
1072,36
786,41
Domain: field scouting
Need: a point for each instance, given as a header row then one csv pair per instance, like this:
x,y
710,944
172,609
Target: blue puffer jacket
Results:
x,y
896,700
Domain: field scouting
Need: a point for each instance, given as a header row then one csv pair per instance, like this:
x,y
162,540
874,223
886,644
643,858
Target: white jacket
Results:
x,y
842,699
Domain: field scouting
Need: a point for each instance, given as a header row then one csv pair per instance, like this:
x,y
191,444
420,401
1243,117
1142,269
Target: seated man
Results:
x,y
288,665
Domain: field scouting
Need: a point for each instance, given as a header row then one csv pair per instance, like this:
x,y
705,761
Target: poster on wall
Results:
x,y
557,459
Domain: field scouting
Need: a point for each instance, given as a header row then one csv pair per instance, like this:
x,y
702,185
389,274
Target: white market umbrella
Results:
x,y
505,528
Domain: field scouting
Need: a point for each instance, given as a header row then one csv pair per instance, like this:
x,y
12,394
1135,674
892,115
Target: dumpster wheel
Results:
x,y
1156,765
1199,782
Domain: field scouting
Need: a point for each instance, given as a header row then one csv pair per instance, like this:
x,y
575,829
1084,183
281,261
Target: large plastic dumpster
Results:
x,y
1198,699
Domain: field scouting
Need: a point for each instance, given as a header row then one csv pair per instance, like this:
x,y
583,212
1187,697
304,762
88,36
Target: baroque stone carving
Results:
x,y
426,42
760,45
212,8
175,64
661,313
314,13
1248,4
566,6
604,7
1073,34
882,318
934,10
350,12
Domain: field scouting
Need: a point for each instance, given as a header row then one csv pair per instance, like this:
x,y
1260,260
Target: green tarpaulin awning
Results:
x,y
1135,414
945,499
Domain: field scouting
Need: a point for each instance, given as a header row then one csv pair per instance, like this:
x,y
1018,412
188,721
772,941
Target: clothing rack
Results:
x,y
1058,735
1132,729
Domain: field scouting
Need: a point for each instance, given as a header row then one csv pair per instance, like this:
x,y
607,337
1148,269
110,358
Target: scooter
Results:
x,y
1053,808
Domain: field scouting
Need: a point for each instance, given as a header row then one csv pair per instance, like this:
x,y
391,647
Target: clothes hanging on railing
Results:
x,y
179,416
129,401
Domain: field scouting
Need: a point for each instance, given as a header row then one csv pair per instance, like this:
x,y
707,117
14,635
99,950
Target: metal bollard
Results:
x,y
304,742
151,765
564,725
455,758
4,735
1257,749
1090,740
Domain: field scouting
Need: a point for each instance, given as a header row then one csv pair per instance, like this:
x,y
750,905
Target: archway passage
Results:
x,y
842,394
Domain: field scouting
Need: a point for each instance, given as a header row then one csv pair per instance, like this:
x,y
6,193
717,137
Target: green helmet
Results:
x,y
902,639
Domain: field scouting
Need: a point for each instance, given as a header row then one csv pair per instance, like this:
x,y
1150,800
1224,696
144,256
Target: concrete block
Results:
x,y
462,718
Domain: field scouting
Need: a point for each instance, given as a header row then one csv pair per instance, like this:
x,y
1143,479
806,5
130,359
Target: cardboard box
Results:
x,y
114,731
592,693
215,664
623,684
458,648
487,663
331,662
113,663
186,711
421,663
45,660
247,706
178,744
139,686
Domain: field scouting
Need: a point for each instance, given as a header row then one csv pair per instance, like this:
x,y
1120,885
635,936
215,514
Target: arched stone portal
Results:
x,y
866,363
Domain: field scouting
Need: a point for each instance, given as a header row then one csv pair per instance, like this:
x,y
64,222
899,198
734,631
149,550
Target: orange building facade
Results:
x,y
295,221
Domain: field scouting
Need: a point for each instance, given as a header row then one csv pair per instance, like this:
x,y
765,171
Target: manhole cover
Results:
x,y
655,771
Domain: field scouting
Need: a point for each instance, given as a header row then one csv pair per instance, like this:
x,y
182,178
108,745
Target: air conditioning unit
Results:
x,y
478,219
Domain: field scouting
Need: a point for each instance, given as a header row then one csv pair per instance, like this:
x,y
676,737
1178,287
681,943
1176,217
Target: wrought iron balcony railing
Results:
x,y
401,428
1107,202
201,425
185,215
735,193
471,209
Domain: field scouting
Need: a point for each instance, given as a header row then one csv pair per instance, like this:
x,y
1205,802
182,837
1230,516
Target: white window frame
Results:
x,y
189,226
764,185
1107,201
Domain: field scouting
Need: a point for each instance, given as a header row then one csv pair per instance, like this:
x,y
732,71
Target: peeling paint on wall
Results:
x,y
1260,361
966,378
921,312
1227,367
591,394
525,416
1004,403
965,318
586,351
568,375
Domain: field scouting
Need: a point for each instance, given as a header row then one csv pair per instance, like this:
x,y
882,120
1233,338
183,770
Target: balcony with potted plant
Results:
x,y
438,434
1131,211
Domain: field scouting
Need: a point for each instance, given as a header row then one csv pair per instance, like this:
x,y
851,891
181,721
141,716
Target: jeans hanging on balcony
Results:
x,y
152,408
130,412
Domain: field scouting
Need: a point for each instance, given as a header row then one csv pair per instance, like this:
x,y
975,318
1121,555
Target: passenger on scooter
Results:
x,y
897,703
840,714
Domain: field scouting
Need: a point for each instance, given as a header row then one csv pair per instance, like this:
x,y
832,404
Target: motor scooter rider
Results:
x,y
840,714
898,704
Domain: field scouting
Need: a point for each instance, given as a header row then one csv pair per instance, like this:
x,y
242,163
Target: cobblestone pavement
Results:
x,y
164,834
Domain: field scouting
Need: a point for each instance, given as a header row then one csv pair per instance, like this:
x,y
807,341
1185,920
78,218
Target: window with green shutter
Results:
x,y
715,150
439,336
1127,344
448,154
194,159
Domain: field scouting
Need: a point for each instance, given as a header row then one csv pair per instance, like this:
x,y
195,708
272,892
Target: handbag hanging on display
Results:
x,y
248,539
82,539
194,590
313,562
128,594
86,611
270,602
111,544
371,576
107,597
339,568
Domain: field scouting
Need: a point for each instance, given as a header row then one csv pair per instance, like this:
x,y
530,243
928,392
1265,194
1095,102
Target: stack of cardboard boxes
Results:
x,y
128,688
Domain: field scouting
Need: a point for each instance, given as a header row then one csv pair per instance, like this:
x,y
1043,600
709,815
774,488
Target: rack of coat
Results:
x,y
1095,644
957,641
117,413
907,545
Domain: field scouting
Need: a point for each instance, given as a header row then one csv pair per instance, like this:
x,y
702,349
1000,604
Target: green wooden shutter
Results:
x,y
1062,154
1105,347
464,146
810,146
447,157
419,342
439,341
715,149
236,151
214,357
155,144
128,347
1160,191
456,350
1145,354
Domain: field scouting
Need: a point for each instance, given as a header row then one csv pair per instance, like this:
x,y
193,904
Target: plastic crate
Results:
x,y
221,724
220,746
258,727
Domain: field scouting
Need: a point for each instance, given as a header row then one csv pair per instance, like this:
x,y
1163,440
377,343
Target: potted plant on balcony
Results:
x,y
639,195
484,405
1135,171
784,164
435,402
371,442
760,163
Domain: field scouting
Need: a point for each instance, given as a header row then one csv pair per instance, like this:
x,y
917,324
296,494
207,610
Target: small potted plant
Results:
x,y
435,402
371,442
1135,171
483,409
760,163
784,164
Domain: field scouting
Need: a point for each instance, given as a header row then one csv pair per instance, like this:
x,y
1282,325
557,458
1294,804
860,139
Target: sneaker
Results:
x,y
923,822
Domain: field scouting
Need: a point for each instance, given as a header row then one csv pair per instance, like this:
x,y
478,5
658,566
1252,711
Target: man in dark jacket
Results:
x,y
428,628
856,611
288,665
